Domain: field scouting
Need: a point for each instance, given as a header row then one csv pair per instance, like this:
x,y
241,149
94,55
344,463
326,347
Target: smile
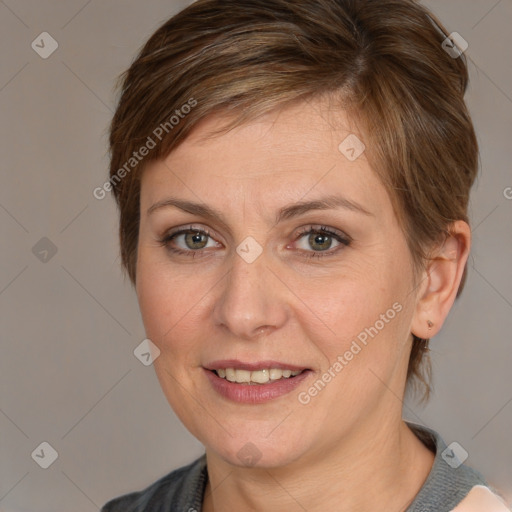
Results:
x,y
255,377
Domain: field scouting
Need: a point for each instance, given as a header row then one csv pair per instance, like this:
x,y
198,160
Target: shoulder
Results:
x,y
451,486
481,499
181,489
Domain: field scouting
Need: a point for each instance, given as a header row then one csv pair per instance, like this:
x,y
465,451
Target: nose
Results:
x,y
252,302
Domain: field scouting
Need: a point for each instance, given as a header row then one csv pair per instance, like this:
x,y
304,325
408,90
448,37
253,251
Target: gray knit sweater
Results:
x,y
182,490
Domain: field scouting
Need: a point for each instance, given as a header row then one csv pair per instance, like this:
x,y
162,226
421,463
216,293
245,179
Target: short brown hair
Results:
x,y
382,60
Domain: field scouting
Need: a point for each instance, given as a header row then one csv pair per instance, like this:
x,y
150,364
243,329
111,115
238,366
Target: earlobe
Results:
x,y
441,281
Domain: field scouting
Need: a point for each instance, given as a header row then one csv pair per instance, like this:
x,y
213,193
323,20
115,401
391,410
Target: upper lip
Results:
x,y
258,365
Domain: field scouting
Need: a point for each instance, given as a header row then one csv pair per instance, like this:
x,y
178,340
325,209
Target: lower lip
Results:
x,y
255,393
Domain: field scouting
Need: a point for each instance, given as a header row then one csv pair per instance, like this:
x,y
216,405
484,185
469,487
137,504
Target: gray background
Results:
x,y
69,325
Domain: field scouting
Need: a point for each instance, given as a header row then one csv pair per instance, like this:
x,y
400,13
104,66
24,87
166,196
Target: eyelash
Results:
x,y
344,240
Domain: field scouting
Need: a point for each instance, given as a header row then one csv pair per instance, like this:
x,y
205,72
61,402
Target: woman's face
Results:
x,y
304,267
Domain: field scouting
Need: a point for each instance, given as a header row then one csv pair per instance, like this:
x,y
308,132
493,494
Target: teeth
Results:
x,y
260,376
242,376
275,373
256,377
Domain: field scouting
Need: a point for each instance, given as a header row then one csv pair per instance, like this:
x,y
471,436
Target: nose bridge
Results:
x,y
251,298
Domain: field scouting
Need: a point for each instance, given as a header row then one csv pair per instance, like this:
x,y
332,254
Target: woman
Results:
x,y
293,181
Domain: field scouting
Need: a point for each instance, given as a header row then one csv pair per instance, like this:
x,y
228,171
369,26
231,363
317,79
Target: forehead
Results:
x,y
300,128
283,156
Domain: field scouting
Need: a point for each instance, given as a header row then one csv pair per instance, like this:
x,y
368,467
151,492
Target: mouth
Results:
x,y
261,372
254,383
256,377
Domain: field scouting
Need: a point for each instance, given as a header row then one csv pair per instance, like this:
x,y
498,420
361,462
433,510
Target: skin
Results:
x,y
348,449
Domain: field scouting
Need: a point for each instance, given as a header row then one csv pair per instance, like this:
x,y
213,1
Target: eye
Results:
x,y
318,240
312,241
188,241
193,239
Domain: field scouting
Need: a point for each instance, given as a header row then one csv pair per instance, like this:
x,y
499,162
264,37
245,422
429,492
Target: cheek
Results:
x,y
171,303
348,303
363,328
366,315
364,348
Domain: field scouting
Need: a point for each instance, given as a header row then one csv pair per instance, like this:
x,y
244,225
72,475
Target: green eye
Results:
x,y
195,239
313,241
189,242
320,241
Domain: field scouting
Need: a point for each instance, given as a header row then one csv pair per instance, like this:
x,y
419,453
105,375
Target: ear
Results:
x,y
441,280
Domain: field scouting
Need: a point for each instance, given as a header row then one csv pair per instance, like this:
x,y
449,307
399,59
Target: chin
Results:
x,y
259,451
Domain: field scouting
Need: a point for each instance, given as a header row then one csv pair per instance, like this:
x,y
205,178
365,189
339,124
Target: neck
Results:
x,y
370,469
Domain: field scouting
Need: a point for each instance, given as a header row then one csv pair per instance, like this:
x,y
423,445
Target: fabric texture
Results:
x,y
447,484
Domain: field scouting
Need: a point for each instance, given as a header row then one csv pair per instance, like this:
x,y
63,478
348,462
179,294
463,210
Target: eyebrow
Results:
x,y
295,210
